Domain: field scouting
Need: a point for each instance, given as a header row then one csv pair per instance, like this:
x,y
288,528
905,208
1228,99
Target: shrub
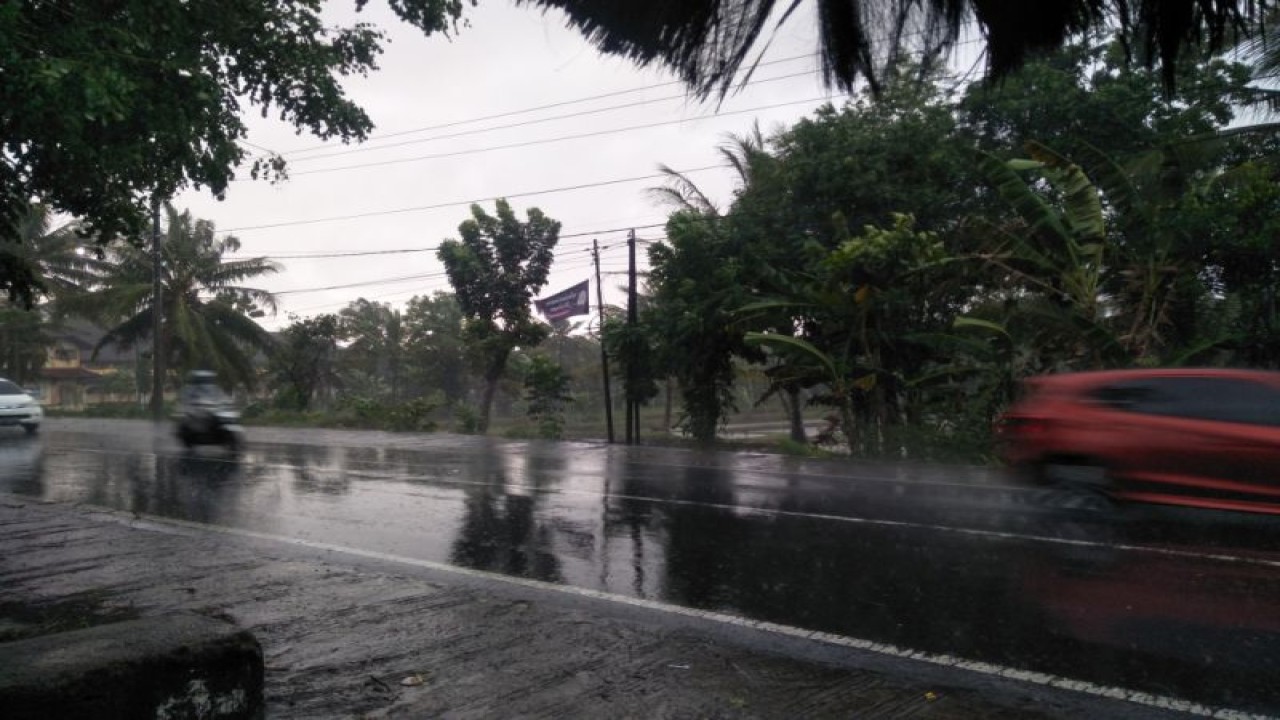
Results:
x,y
466,420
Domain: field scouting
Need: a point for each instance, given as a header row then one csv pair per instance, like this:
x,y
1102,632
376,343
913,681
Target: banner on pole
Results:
x,y
566,303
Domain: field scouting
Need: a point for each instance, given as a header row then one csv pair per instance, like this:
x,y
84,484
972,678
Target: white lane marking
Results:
x,y
1138,697
853,520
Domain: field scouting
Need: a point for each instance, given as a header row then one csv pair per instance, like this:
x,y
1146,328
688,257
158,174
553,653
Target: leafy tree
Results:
x,y
708,42
145,96
546,390
696,281
1086,95
304,359
374,336
855,310
55,265
204,323
496,269
24,342
1239,220
745,154
638,354
801,189
435,347
868,160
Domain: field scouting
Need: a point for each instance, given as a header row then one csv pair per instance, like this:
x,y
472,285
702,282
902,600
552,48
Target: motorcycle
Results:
x,y
210,422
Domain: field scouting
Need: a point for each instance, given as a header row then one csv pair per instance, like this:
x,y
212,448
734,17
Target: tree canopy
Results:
x,y
105,106
496,268
907,258
206,313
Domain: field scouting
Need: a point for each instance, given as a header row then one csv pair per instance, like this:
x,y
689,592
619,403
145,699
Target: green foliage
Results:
x,y
546,390
496,269
412,415
145,96
849,333
374,337
303,362
121,382
50,261
24,343
1088,94
634,351
435,352
466,420
125,411
697,286
879,265
206,312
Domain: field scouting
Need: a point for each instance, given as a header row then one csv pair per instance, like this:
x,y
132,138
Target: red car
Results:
x,y
1205,438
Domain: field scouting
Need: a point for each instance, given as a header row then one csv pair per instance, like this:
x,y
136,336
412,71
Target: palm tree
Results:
x,y
206,313
53,258
708,42
746,154
56,264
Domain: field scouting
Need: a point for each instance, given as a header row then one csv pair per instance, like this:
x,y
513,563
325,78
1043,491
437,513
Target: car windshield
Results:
x,y
8,388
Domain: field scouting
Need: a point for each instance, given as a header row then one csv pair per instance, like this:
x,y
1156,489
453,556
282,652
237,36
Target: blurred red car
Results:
x,y
1205,438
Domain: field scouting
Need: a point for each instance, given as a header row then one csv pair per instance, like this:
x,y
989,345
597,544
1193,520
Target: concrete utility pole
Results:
x,y
157,305
604,355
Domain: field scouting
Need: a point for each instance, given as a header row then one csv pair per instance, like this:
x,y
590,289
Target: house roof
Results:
x,y
71,373
85,335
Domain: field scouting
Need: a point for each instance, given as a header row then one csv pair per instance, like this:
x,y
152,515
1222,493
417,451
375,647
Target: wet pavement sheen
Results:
x,y
1178,603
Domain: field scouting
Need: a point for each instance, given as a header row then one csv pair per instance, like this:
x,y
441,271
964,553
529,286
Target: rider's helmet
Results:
x,y
202,377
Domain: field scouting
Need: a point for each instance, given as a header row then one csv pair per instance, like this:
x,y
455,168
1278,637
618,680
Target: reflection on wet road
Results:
x,y
1177,603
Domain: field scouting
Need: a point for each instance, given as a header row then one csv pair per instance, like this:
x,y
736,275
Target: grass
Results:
x,y
923,445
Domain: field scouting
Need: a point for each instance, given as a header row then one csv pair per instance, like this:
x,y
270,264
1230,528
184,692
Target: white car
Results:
x,y
17,407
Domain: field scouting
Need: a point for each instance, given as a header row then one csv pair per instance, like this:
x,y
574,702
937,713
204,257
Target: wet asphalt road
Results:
x,y
956,561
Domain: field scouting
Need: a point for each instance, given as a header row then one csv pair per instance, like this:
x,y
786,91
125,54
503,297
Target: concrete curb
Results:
x,y
172,667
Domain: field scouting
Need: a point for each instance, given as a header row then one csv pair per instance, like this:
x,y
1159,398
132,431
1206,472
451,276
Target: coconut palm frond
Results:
x,y
709,43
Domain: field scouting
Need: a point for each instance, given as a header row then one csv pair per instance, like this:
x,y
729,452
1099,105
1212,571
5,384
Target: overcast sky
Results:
x,y
509,60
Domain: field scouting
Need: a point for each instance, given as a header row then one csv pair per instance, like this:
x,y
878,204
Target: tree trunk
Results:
x,y
846,418
666,411
795,414
491,378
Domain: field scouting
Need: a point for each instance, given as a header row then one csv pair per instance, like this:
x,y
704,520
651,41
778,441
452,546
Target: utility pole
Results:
x,y
157,306
604,355
633,406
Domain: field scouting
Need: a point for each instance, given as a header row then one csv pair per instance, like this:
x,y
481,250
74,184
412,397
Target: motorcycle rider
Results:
x,y
206,413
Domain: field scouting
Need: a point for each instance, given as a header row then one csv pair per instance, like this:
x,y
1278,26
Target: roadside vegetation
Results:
x,y
885,273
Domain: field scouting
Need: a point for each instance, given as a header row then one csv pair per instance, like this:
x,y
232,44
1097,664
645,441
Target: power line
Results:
x,y
562,138
340,303
291,255
524,123
364,283
429,276
456,203
512,113
589,98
